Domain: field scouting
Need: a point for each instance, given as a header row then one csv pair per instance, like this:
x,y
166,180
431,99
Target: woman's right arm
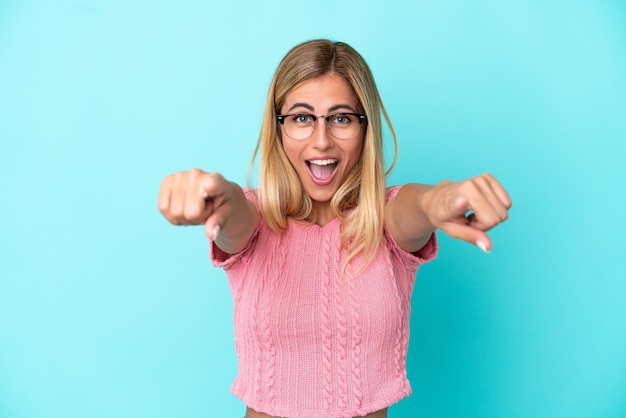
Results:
x,y
195,197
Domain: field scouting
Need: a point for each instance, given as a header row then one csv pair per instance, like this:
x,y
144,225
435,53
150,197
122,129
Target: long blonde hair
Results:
x,y
360,201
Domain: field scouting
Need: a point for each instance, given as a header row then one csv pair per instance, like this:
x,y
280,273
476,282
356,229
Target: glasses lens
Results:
x,y
343,125
299,126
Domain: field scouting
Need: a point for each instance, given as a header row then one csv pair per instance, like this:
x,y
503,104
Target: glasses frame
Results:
x,y
281,120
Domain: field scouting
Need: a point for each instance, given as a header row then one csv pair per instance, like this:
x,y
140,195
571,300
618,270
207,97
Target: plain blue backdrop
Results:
x,y
106,310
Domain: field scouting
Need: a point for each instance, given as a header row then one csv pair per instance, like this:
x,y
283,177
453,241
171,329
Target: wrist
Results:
x,y
431,199
425,201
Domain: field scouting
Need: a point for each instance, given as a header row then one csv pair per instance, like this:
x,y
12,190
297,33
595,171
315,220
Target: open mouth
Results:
x,y
322,171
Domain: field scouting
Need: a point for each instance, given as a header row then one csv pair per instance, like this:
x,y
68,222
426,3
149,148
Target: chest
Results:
x,y
298,295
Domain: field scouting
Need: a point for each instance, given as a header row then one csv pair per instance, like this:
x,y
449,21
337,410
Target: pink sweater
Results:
x,y
308,344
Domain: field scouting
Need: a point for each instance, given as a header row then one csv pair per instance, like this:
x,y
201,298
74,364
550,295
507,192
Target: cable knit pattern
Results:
x,y
270,350
356,343
258,352
342,334
310,343
399,347
327,341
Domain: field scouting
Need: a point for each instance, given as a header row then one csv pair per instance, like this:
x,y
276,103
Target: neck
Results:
x,y
322,213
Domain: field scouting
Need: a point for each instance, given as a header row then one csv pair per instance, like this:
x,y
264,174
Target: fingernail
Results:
x,y
482,246
215,232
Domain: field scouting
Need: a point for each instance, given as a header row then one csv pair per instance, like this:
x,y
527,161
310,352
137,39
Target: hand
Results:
x,y
447,205
194,197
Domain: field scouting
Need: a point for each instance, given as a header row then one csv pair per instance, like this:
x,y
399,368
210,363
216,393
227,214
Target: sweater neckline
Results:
x,y
315,226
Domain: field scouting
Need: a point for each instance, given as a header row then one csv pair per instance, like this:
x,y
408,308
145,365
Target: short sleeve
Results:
x,y
224,260
425,254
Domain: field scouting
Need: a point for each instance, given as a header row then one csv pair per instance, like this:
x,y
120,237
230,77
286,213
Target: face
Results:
x,y
322,161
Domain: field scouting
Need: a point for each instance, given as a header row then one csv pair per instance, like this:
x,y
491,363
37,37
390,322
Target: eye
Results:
x,y
341,119
302,119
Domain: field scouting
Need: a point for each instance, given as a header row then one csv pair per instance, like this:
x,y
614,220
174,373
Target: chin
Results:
x,y
321,196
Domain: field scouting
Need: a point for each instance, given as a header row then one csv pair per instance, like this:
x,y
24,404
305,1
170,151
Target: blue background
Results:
x,y
108,311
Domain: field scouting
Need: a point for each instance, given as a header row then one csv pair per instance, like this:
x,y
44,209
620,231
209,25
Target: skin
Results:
x,y
196,197
322,96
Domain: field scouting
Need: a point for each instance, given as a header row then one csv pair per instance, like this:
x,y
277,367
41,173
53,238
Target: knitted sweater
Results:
x,y
310,344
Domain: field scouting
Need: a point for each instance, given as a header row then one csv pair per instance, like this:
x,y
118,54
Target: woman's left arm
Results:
x,y
464,210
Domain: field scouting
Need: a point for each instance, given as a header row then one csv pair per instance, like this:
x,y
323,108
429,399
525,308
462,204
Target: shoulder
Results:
x,y
391,192
426,253
252,195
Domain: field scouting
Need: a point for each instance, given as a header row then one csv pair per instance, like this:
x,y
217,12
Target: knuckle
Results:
x,y
167,181
214,177
178,180
163,207
209,178
490,220
480,181
192,214
213,181
176,212
469,186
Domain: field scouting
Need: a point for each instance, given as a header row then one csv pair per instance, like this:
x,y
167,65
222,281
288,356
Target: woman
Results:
x,y
321,258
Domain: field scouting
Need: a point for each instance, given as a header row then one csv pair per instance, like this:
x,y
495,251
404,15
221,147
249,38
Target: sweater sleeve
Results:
x,y
425,254
221,259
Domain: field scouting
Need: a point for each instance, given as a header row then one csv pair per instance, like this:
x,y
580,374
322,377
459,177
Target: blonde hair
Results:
x,y
360,201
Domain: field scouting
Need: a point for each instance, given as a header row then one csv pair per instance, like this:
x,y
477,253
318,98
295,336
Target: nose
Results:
x,y
322,139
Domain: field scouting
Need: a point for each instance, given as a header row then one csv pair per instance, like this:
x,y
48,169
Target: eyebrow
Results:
x,y
305,105
330,109
341,106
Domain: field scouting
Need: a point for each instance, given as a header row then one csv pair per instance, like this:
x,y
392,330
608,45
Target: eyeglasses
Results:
x,y
299,126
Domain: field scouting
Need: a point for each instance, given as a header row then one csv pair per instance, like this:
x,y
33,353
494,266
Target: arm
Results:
x,y
417,210
194,197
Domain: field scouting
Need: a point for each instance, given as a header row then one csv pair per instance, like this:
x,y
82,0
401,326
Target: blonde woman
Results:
x,y
322,256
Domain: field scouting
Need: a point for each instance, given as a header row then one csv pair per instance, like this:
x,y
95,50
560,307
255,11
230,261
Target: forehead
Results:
x,y
322,93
